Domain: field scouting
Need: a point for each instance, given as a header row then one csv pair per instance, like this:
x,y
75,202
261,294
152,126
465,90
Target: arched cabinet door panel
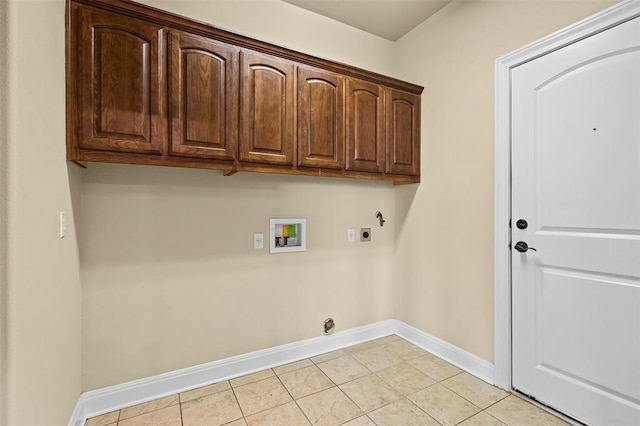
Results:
x,y
120,82
403,133
266,109
320,118
365,126
203,97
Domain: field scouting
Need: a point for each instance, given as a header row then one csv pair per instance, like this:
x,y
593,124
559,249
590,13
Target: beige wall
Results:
x,y
170,278
4,190
41,296
445,248
286,25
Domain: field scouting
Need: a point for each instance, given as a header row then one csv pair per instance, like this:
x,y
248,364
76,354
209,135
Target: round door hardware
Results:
x,y
522,224
523,247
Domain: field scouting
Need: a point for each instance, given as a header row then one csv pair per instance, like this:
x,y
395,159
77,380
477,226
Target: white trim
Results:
x,y
608,18
100,401
467,361
502,236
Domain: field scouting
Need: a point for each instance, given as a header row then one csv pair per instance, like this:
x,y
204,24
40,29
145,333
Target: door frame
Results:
x,y
610,17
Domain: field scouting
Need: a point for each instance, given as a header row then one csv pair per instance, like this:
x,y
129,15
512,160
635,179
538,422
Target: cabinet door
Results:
x,y
403,133
203,97
121,81
266,109
365,126
320,118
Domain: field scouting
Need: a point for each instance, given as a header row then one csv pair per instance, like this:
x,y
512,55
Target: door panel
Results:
x,y
403,133
203,97
568,178
121,84
320,118
604,300
365,126
266,109
576,180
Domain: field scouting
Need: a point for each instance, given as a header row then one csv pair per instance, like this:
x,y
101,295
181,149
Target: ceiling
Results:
x,y
389,19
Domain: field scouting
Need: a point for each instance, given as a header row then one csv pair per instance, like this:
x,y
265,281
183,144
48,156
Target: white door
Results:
x,y
576,182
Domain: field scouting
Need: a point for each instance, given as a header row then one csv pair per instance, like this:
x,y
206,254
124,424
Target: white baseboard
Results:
x,y
467,361
100,401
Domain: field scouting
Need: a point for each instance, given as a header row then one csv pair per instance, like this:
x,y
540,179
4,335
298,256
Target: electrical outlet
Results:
x,y
258,240
63,224
351,235
365,234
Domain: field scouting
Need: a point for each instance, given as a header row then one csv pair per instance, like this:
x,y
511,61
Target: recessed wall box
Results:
x,y
287,235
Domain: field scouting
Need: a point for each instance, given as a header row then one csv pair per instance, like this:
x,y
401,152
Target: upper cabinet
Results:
x,y
203,97
149,87
267,125
120,79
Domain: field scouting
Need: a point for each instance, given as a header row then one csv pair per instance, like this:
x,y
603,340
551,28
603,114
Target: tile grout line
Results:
x,y
233,390
291,396
335,385
294,400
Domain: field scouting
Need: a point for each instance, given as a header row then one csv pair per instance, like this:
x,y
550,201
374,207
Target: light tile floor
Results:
x,y
387,381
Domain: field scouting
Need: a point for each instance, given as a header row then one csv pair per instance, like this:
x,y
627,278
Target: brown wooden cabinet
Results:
x,y
403,133
320,118
266,109
203,97
365,126
149,87
121,83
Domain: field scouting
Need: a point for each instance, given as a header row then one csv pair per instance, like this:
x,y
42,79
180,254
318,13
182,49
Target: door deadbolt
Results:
x,y
522,224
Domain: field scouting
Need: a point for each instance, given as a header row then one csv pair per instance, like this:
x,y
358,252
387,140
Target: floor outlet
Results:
x,y
258,240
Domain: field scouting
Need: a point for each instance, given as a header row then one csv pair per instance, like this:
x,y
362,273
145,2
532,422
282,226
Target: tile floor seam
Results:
x,y
267,409
425,412
472,415
292,399
313,393
233,390
302,411
255,381
466,399
508,394
350,399
493,417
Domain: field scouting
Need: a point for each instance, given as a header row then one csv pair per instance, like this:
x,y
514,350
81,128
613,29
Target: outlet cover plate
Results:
x,y
365,234
351,235
258,240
